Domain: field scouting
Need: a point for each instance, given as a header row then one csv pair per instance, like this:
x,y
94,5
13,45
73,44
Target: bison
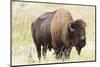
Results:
x,y
59,31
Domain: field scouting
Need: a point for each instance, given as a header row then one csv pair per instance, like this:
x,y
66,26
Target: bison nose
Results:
x,y
82,37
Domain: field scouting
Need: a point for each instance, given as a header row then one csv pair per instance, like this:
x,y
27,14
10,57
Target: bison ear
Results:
x,y
70,26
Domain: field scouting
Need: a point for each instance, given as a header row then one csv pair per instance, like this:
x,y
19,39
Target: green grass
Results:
x,y
21,26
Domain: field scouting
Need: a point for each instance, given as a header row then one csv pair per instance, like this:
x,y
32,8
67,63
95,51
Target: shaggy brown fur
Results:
x,y
63,39
59,31
77,37
59,28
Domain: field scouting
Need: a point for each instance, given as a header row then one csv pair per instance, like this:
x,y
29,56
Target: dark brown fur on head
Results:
x,y
77,34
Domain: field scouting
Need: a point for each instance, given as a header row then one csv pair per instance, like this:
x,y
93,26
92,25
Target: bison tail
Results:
x,y
33,28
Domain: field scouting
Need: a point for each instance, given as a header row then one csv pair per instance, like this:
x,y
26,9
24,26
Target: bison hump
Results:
x,y
59,25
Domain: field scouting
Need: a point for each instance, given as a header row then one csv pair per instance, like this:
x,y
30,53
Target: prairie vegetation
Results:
x,y
23,47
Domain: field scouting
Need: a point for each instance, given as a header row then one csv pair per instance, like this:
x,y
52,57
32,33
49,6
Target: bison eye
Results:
x,y
74,26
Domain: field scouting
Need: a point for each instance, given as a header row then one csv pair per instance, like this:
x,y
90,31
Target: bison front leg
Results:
x,y
60,52
66,53
38,47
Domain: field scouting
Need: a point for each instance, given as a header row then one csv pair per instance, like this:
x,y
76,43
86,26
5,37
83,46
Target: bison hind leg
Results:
x,y
38,47
44,50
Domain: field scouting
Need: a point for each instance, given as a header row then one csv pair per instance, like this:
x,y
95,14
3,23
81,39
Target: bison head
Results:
x,y
76,33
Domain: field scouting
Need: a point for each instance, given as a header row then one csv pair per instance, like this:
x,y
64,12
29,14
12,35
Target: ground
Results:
x,y
23,47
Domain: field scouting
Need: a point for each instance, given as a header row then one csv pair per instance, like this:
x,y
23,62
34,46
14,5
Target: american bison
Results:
x,y
59,31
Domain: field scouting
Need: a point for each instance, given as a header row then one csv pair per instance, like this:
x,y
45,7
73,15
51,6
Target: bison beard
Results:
x,y
59,31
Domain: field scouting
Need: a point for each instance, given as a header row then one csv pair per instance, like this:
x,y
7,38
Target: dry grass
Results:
x,y
23,48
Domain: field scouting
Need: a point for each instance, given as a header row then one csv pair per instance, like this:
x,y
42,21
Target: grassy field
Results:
x,y
23,48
